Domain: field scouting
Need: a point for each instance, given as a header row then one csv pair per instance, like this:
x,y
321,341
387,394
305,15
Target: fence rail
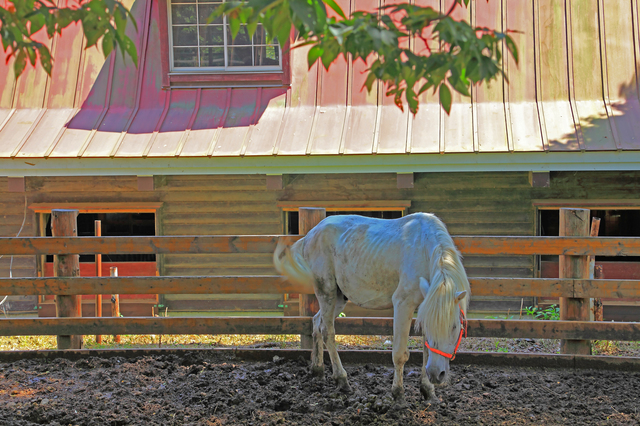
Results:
x,y
572,288
274,284
501,246
626,331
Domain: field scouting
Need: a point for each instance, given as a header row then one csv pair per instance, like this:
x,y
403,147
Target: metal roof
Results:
x,y
574,91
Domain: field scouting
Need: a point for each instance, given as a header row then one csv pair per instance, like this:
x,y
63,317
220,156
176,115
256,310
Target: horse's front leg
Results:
x,y
402,314
427,389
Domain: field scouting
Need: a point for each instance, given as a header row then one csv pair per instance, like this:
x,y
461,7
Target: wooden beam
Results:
x,y
615,331
106,207
573,246
574,222
65,223
274,284
250,284
498,246
404,180
145,183
140,245
274,182
15,184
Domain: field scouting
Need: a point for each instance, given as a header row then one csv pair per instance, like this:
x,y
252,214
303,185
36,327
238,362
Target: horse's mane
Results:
x,y
437,312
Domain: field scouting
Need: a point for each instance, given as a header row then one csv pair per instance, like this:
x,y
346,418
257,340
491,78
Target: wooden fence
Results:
x,y
572,288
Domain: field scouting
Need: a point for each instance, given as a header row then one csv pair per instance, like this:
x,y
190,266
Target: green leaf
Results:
x,y
511,46
334,6
445,98
314,53
20,63
107,44
45,58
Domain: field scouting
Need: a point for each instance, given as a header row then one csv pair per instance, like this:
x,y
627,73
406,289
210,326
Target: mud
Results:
x,y
216,389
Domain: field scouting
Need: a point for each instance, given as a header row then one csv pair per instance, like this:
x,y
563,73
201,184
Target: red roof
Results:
x,y
575,90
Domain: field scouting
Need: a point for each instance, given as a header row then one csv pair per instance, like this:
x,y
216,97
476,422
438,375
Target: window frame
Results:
x,y
226,47
210,78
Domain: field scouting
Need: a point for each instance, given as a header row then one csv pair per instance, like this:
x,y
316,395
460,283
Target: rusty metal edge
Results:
x,y
347,356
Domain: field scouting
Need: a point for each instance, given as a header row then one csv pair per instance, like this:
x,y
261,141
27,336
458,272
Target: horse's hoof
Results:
x,y
317,371
397,394
343,385
429,394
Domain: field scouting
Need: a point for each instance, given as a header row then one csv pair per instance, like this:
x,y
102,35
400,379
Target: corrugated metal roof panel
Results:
x,y
575,90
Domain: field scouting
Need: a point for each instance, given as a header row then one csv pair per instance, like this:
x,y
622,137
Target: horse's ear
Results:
x,y
459,296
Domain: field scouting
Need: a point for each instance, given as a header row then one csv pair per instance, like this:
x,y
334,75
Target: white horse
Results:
x,y
406,263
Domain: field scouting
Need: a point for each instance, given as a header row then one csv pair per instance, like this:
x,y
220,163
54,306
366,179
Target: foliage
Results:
x,y
24,22
466,55
549,313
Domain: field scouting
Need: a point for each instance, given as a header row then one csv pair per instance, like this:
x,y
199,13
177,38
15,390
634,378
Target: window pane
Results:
x,y
211,35
183,14
206,9
185,36
182,1
266,55
212,57
240,56
260,37
242,39
185,56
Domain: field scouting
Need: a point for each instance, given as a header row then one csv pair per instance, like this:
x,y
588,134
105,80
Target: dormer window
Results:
x,y
198,46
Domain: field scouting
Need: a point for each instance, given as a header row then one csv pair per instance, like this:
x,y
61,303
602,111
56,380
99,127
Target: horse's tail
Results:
x,y
288,261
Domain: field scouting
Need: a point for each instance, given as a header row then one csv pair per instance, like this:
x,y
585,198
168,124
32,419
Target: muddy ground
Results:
x,y
216,389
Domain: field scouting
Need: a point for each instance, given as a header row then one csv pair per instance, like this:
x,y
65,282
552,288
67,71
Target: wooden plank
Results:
x,y
617,289
573,246
521,287
140,245
615,331
141,207
254,284
477,245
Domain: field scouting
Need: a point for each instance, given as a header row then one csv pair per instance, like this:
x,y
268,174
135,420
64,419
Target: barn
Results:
x,y
210,136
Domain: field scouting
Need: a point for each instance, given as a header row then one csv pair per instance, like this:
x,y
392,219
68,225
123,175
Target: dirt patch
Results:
x,y
213,389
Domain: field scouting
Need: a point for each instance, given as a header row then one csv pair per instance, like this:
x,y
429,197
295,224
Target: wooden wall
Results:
x,y
492,203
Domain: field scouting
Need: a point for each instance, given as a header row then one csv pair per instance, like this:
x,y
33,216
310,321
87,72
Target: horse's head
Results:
x,y
442,335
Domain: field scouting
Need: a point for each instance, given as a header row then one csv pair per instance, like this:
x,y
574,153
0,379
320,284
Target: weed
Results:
x,y
549,313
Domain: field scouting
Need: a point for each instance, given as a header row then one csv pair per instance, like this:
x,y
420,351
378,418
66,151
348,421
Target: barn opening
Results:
x,y
120,223
614,222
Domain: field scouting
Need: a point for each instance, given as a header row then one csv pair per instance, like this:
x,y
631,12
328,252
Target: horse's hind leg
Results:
x,y
328,311
317,352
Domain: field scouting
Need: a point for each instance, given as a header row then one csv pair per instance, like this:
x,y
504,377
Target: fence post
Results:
x,y
64,224
115,302
308,217
574,223
98,311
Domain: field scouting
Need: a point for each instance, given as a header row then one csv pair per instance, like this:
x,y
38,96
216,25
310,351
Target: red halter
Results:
x,y
463,329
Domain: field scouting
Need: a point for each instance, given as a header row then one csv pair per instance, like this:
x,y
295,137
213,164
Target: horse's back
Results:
x,y
367,257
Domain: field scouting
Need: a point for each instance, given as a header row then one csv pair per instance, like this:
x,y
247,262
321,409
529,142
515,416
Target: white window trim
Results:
x,y
217,70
